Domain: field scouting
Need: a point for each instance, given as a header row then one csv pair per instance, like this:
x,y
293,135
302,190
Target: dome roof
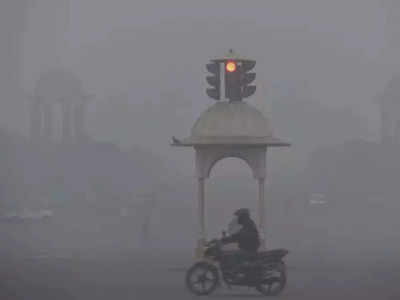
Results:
x,y
233,122
228,119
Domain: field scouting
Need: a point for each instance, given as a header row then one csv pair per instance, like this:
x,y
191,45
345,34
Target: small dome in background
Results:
x,y
58,83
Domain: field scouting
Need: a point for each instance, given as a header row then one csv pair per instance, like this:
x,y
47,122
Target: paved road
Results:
x,y
48,263
124,277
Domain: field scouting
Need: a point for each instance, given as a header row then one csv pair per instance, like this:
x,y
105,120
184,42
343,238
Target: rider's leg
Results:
x,y
241,257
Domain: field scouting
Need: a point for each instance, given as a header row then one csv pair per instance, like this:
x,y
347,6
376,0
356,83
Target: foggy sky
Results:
x,y
59,31
144,64
139,51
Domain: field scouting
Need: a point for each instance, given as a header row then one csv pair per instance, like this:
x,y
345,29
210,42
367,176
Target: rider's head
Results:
x,y
242,214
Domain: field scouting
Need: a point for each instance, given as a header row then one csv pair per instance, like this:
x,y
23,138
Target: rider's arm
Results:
x,y
234,238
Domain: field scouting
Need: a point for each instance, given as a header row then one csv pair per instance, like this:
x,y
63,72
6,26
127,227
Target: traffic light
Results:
x,y
237,78
247,78
230,66
232,80
214,81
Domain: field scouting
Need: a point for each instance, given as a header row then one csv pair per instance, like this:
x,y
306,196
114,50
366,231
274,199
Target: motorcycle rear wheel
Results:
x,y
202,279
274,284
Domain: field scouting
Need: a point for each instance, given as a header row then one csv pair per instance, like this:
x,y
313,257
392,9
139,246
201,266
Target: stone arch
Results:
x,y
207,157
222,157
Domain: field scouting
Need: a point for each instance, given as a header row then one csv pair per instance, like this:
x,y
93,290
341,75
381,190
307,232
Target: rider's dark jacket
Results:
x,y
247,237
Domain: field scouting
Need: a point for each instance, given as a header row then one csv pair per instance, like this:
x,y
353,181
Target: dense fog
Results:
x,y
110,182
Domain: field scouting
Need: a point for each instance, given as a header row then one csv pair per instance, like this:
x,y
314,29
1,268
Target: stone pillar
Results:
x,y
66,120
35,118
79,119
261,211
201,217
48,120
397,132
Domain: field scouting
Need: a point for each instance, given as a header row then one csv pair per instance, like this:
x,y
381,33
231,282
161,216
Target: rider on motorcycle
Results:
x,y
245,235
265,271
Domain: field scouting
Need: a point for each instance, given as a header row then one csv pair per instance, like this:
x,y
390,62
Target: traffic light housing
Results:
x,y
237,77
232,80
247,78
214,80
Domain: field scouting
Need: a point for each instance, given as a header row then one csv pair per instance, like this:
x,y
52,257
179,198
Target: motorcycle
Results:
x,y
265,271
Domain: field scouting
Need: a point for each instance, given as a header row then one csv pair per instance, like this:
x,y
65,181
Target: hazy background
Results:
x,y
321,68
147,58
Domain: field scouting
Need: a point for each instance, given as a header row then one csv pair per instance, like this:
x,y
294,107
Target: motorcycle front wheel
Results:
x,y
274,281
202,279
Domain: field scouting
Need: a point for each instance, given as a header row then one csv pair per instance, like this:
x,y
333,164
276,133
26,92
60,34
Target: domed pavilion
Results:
x,y
230,129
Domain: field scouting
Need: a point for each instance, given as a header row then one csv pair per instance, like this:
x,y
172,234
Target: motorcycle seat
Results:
x,y
269,254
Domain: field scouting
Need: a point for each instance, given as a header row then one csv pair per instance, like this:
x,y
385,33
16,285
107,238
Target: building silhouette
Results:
x,y
58,91
12,25
390,111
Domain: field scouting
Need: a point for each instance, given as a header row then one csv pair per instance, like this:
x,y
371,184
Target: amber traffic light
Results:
x,y
230,66
232,80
